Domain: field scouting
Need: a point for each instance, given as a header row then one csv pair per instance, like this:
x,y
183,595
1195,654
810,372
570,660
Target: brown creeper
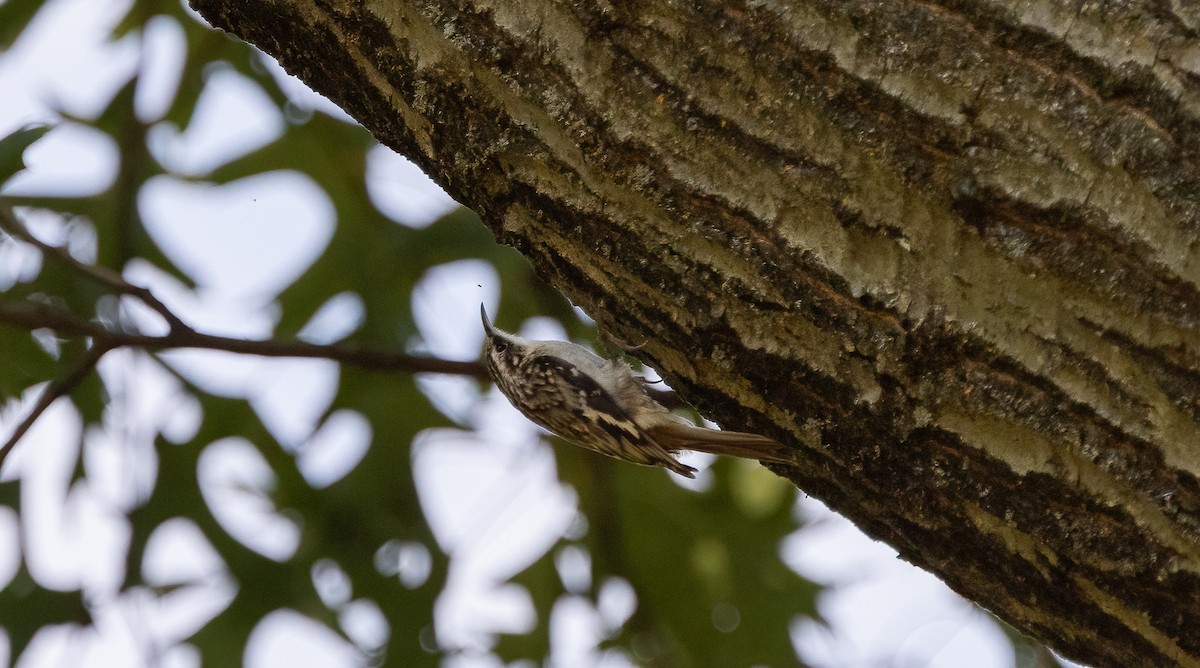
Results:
x,y
600,405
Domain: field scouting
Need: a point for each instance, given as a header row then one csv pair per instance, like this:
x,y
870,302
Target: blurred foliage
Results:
x,y
705,566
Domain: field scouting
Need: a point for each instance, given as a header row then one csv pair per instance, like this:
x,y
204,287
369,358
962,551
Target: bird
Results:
x,y
601,405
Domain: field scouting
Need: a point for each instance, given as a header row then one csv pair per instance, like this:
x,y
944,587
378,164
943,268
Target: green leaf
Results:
x,y
341,529
114,215
347,521
23,363
12,147
208,50
14,16
264,585
26,607
10,494
727,598
133,20
542,583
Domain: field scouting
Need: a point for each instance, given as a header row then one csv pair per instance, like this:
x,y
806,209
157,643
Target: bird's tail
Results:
x,y
735,443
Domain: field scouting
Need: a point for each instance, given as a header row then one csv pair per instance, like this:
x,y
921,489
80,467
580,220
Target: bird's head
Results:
x,y
502,352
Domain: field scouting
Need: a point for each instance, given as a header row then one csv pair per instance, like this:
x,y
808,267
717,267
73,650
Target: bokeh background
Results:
x,y
204,507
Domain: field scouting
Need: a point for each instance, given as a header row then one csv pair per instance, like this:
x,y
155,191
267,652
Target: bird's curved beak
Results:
x,y
487,323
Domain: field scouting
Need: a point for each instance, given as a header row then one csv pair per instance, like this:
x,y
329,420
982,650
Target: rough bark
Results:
x,y
945,249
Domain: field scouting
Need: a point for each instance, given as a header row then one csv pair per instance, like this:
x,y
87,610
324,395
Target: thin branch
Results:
x,y
32,315
10,223
58,388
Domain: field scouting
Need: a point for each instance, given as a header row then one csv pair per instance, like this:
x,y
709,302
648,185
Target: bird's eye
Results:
x,y
500,346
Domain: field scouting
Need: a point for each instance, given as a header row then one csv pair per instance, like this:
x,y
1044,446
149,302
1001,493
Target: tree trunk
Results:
x,y
947,250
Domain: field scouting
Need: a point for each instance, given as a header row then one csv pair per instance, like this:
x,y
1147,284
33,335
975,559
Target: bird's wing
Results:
x,y
574,405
